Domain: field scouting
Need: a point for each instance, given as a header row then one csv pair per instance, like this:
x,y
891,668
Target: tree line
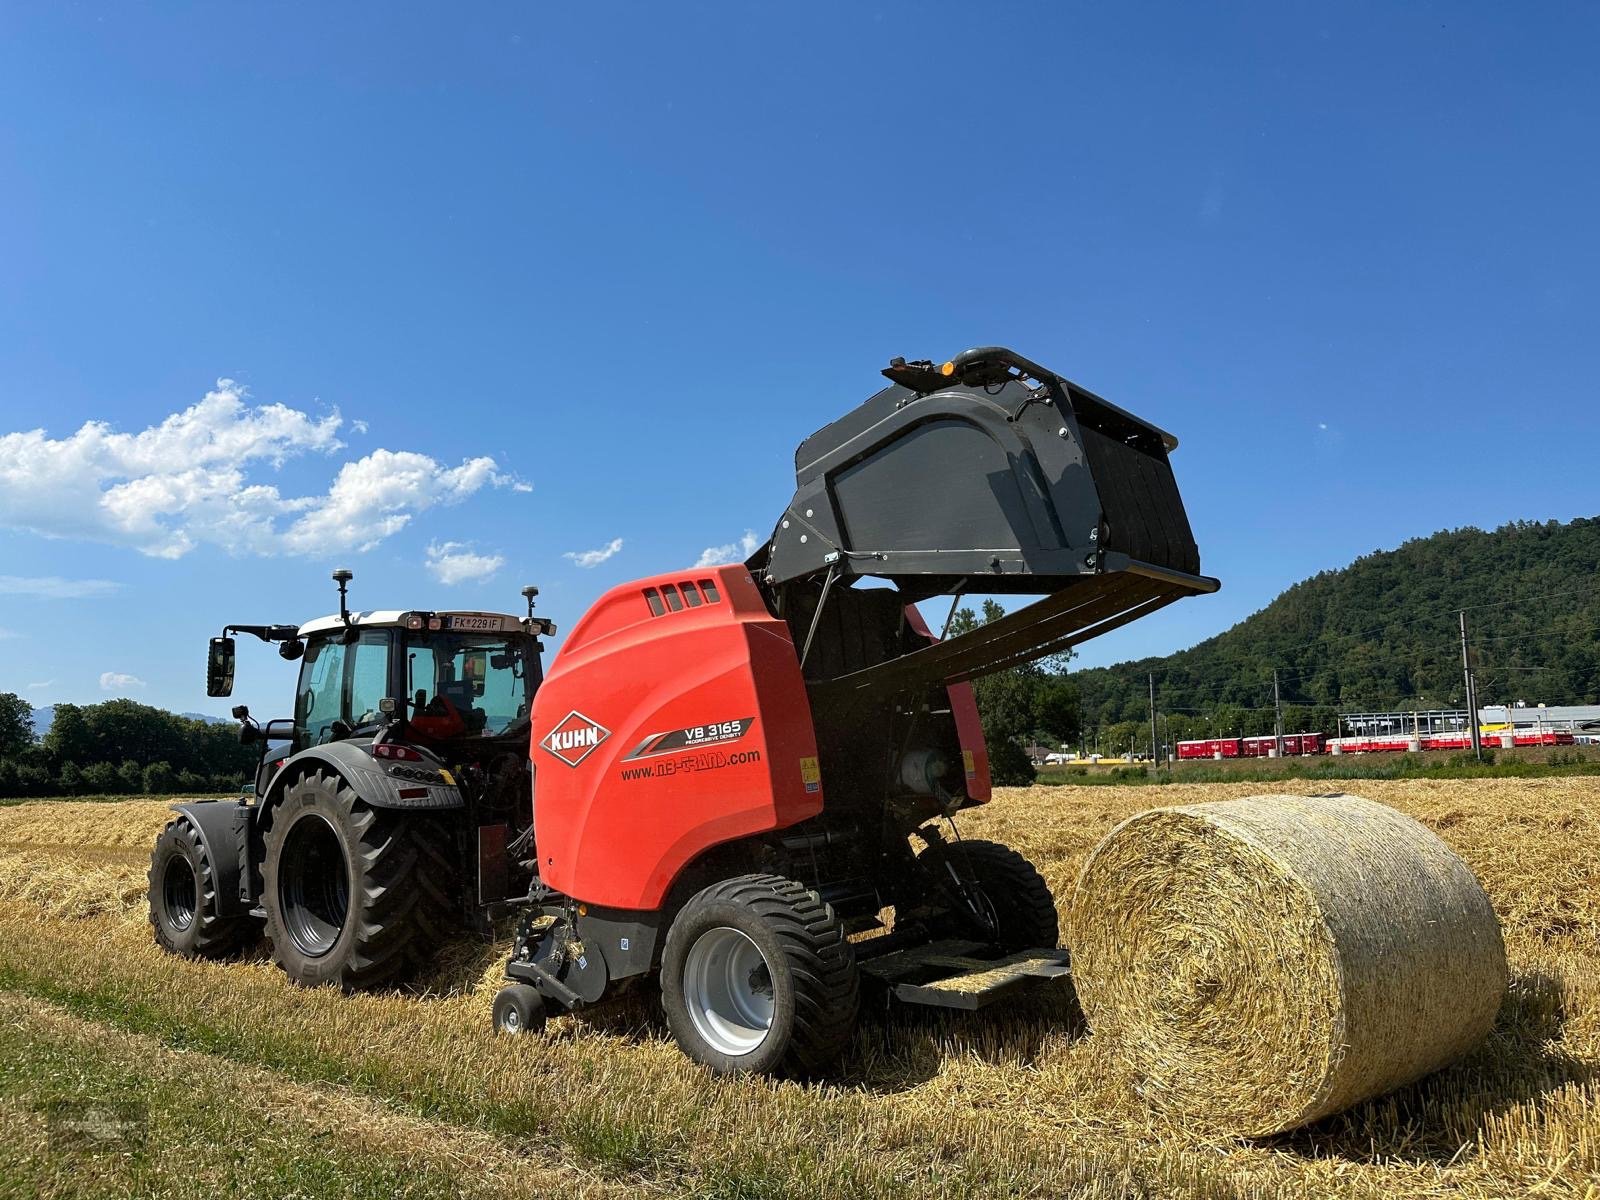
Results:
x,y
1383,634
119,747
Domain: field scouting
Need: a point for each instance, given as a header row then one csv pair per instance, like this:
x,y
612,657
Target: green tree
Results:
x,y
34,781
16,725
69,779
158,779
131,776
1019,703
68,737
100,779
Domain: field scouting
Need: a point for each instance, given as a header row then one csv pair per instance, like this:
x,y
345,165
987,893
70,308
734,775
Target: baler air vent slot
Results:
x,y
674,597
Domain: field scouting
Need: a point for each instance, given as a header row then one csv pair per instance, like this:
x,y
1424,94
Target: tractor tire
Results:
x,y
183,898
355,896
1024,910
758,978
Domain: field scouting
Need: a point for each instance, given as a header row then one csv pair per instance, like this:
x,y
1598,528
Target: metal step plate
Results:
x,y
952,974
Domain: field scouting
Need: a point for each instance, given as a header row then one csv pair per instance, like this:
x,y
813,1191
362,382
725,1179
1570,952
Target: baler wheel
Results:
x,y
518,1009
183,897
354,895
758,978
1020,900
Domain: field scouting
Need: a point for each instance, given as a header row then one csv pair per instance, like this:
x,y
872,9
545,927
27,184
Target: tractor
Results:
x,y
736,785
390,812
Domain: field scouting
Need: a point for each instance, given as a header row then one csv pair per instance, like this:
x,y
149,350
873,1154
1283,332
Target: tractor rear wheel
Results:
x,y
757,978
355,895
1010,889
183,897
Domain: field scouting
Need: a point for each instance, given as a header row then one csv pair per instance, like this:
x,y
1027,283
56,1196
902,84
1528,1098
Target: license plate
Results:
x,y
475,624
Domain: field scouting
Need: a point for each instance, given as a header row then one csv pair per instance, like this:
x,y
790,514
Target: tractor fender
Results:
x,y
223,828
398,785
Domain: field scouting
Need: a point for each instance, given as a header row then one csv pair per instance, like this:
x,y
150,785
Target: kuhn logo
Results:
x,y
575,738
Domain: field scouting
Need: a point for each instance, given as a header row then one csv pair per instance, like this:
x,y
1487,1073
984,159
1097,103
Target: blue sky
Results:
x,y
518,283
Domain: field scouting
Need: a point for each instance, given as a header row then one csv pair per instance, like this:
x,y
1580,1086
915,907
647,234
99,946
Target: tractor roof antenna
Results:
x,y
342,577
528,593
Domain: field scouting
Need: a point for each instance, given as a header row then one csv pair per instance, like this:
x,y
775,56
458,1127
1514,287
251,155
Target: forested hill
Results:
x,y
1383,632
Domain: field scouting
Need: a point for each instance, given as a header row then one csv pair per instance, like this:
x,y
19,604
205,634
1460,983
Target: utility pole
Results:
x,y
1277,710
1155,740
1472,691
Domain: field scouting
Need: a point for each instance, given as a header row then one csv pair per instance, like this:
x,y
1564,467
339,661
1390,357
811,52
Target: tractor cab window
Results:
x,y
319,700
369,677
469,685
341,683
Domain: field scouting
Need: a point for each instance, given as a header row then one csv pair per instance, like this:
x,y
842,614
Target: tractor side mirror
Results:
x,y
219,667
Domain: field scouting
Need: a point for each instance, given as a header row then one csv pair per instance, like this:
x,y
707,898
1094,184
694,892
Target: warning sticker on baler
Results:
x,y
811,774
970,763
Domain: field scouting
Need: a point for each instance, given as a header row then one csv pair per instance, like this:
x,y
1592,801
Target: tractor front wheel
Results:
x,y
355,895
757,978
183,897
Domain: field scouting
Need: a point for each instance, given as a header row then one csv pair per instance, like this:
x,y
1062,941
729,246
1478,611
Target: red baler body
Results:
x,y
656,737
676,719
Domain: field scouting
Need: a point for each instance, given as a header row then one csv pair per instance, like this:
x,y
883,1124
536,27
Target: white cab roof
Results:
x,y
396,617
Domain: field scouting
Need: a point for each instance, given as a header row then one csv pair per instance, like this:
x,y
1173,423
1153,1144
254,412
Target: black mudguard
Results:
x,y
223,826
381,785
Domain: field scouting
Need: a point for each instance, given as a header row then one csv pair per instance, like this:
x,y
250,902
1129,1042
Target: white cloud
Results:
x,y
116,681
593,558
53,587
454,562
39,687
185,482
8,633
713,556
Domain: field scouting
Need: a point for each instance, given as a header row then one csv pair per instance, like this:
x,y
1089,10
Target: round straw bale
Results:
x,y
1261,963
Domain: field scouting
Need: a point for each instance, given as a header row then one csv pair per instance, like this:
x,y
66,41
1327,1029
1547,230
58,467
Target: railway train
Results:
x,y
1301,744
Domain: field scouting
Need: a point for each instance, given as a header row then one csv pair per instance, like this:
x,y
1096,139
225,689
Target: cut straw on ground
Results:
x,y
1015,1102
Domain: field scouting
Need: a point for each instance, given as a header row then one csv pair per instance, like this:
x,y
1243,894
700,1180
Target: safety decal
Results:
x,y
970,763
811,774
695,737
574,738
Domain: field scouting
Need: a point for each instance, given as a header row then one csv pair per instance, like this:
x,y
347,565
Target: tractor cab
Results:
x,y
415,707
433,678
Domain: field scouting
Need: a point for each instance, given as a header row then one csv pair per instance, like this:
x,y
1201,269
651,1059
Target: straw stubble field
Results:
x,y
249,1086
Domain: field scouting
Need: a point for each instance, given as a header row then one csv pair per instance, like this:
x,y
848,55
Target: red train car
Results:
x,y
1211,748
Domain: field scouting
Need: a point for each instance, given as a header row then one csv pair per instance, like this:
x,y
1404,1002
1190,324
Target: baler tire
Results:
x,y
183,897
811,967
518,1009
1024,909
391,910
